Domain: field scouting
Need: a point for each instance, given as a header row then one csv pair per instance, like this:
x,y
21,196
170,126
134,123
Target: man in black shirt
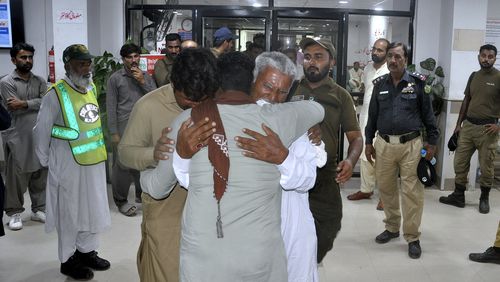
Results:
x,y
399,109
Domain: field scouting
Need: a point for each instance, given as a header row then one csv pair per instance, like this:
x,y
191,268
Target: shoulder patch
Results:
x,y
418,75
380,78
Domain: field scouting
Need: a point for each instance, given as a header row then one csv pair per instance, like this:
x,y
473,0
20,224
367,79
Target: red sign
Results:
x,y
148,61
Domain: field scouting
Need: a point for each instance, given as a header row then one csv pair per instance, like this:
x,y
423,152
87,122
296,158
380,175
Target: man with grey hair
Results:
x,y
69,141
273,77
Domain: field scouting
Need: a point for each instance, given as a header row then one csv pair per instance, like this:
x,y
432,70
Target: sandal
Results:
x,y
128,209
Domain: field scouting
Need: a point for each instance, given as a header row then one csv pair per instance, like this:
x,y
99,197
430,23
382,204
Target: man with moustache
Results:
x,y
478,127
163,67
374,69
21,94
69,141
399,110
324,198
125,87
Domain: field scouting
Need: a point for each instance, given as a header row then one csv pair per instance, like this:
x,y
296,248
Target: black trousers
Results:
x,y
326,207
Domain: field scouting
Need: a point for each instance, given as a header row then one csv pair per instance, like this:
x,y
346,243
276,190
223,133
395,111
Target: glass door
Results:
x,y
294,25
250,25
292,30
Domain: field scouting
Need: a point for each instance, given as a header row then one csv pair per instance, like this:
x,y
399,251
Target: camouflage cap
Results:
x,y
304,43
77,52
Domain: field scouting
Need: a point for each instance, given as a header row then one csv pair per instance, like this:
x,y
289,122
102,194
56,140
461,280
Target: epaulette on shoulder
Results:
x,y
380,78
418,75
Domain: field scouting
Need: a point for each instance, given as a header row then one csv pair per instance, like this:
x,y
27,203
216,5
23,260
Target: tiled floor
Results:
x,y
448,235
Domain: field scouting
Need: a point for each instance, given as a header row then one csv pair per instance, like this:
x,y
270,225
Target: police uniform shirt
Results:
x,y
401,109
339,110
484,89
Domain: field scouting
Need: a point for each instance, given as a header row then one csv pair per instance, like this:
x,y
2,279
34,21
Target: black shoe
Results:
x,y
453,199
414,250
92,260
490,255
386,236
484,205
76,270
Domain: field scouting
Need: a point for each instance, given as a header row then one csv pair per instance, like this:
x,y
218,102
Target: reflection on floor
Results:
x,y
448,235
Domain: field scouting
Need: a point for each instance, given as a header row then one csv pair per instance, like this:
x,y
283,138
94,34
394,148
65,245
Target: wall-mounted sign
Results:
x,y
69,16
5,25
493,36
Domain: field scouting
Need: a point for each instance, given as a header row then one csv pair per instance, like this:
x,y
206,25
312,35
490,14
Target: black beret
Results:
x,y
453,142
426,172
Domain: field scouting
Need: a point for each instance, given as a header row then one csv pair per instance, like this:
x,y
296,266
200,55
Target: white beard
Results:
x,y
80,81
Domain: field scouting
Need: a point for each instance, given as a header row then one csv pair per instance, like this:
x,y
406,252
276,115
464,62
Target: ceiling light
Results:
x,y
343,2
257,5
378,9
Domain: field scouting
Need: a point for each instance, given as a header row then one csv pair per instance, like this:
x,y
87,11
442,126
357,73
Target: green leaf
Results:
x,y
438,90
439,72
411,68
428,64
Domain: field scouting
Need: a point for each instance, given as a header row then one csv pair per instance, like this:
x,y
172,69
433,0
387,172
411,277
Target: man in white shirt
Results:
x,y
374,69
356,78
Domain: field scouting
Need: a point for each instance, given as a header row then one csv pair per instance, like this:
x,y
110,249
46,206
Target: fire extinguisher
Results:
x,y
52,66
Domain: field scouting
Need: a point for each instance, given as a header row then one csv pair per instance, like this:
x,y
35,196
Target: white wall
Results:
x,y
37,20
493,9
427,32
112,29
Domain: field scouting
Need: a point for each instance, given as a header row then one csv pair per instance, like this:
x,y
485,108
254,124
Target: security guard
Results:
x,y
399,109
324,198
478,126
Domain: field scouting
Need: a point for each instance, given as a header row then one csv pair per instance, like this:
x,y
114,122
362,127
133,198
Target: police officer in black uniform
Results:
x,y
400,108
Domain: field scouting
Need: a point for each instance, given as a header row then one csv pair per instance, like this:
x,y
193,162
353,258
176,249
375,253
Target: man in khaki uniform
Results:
x,y
324,198
492,254
163,67
399,109
479,128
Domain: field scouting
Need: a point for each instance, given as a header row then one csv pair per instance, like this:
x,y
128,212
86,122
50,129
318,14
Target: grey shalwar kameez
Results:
x,y
22,167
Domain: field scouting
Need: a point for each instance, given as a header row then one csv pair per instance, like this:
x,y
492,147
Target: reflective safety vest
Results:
x,y
82,124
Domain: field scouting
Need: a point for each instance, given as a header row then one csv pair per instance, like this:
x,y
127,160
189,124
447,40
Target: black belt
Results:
x,y
478,121
403,138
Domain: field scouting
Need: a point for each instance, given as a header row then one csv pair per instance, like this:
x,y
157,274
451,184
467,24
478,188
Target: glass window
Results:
x,y
149,27
364,30
248,29
292,30
393,5
254,3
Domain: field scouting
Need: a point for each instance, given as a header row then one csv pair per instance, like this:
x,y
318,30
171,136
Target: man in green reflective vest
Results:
x,y
69,141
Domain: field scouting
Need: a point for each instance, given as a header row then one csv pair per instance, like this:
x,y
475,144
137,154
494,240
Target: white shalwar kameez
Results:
x,y
298,175
76,197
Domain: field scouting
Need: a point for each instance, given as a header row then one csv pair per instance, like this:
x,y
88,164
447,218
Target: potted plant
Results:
x,y
104,66
433,82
